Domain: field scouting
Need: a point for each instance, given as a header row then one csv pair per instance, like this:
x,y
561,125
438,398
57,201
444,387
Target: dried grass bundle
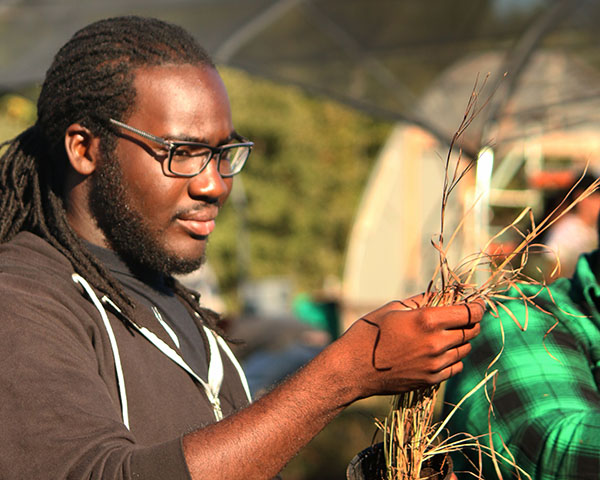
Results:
x,y
410,436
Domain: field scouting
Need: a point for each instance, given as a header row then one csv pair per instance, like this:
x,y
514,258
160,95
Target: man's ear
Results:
x,y
82,148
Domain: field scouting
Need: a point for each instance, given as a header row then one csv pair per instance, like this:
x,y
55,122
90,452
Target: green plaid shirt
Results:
x,y
546,410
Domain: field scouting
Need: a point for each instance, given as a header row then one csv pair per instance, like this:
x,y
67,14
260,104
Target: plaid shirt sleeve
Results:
x,y
546,401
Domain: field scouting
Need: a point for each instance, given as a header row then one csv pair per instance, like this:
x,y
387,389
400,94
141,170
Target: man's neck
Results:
x,y
115,263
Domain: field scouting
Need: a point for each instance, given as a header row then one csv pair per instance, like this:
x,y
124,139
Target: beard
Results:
x,y
126,230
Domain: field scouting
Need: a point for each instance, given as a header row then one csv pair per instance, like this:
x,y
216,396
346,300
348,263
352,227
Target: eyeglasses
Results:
x,y
188,159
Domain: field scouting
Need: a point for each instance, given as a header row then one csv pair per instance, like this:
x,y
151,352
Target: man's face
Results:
x,y
156,221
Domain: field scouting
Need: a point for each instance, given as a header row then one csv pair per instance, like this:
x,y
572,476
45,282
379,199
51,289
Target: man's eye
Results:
x,y
161,153
185,153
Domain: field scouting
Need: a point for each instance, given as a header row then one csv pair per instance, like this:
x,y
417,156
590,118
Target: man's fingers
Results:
x,y
452,357
447,372
449,317
464,315
462,336
455,369
475,311
469,334
455,355
462,351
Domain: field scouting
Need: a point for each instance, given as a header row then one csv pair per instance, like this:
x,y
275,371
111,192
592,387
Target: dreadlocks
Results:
x,y
90,79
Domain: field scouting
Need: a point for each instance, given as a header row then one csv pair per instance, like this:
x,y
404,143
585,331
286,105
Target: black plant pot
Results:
x,y
370,465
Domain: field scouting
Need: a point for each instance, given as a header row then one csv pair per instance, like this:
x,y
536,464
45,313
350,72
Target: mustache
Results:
x,y
201,211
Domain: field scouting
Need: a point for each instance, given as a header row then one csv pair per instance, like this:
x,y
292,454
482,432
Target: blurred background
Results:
x,y
352,105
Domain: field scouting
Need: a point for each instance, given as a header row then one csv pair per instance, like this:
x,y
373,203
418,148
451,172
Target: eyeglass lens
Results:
x,y
186,160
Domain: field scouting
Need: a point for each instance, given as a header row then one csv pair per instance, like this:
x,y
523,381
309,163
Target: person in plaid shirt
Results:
x,y
546,401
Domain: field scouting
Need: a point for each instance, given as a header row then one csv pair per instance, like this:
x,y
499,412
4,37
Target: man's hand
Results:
x,y
395,349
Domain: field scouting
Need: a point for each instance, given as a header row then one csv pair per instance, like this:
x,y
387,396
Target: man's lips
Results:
x,y
199,224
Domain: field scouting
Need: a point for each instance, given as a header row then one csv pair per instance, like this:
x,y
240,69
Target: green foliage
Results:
x,y
16,114
302,184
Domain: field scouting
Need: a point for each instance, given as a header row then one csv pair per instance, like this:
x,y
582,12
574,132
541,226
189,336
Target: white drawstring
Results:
x,y
113,344
212,388
236,364
215,369
166,326
232,358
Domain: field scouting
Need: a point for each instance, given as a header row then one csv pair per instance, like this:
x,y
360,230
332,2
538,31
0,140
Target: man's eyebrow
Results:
x,y
187,138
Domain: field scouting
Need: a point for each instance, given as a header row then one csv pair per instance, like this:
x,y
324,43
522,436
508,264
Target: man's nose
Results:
x,y
209,183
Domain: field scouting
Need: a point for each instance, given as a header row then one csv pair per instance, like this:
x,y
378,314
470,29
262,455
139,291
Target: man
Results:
x,y
110,368
575,232
545,399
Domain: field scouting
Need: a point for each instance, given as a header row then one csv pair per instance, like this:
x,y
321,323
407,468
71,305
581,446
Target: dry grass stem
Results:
x,y
410,437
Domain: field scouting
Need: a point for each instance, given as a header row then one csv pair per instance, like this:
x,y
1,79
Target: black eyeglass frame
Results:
x,y
172,145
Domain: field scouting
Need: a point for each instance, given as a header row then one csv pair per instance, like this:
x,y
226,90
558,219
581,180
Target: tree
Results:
x,y
302,184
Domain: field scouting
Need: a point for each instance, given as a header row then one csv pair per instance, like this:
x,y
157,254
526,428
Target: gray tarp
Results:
x,y
378,55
